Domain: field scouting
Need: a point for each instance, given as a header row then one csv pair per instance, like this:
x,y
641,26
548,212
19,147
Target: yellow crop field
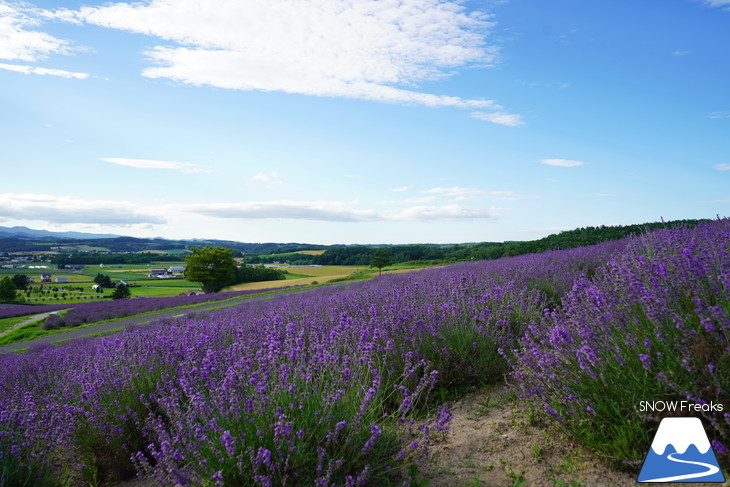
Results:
x,y
325,270
319,274
310,252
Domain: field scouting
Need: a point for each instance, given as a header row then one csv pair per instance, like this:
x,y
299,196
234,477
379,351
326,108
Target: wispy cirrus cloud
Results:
x,y
501,118
717,3
362,49
722,167
562,162
720,114
21,68
185,167
63,209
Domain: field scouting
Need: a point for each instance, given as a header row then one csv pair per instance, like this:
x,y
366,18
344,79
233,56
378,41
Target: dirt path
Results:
x,y
122,323
491,442
31,319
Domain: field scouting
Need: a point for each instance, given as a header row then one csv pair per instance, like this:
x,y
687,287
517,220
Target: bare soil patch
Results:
x,y
492,441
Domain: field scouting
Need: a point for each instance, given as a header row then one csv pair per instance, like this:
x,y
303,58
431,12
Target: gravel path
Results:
x,y
123,323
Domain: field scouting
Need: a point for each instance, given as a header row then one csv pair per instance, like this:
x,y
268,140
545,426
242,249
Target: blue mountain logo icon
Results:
x,y
681,452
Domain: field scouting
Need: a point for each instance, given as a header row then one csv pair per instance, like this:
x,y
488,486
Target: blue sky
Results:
x,y
360,121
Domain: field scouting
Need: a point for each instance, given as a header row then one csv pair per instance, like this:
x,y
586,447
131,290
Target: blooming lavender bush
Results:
x,y
335,386
652,325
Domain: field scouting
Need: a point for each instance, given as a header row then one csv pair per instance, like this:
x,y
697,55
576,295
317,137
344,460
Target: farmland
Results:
x,y
350,384
78,284
298,276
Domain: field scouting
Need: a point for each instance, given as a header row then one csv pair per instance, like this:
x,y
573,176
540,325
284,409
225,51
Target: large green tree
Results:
x,y
20,281
7,289
212,267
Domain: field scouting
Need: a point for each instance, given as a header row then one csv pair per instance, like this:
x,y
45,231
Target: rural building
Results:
x,y
45,278
95,287
62,279
160,273
176,268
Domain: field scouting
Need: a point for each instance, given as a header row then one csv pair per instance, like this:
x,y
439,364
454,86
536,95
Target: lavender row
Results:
x,y
13,311
95,311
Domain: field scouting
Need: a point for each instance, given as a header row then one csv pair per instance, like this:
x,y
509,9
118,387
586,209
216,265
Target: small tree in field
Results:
x,y
121,292
380,259
212,267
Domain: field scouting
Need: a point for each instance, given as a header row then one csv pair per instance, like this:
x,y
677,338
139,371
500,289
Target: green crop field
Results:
x,y
137,275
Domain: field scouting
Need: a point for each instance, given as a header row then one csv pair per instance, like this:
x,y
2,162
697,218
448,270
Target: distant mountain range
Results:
x,y
23,239
25,232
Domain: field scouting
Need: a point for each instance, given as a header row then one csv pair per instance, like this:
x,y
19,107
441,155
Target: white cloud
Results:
x,y
265,177
365,49
681,53
402,189
293,210
510,120
448,213
18,42
456,192
42,71
330,211
722,167
717,115
185,167
62,209
562,162
271,179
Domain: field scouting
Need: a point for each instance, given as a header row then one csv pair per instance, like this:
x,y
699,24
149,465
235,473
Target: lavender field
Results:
x,y
345,385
